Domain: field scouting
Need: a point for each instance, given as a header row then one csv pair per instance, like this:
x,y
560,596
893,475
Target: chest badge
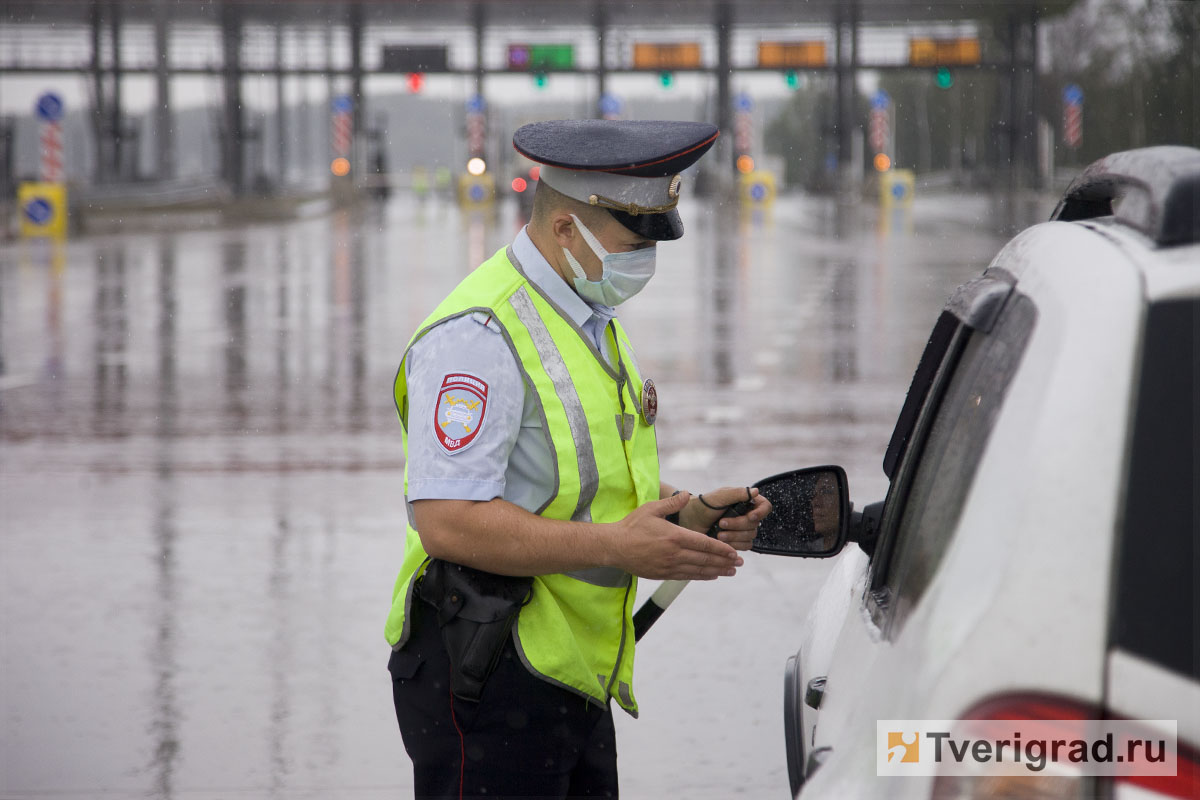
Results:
x,y
649,402
459,412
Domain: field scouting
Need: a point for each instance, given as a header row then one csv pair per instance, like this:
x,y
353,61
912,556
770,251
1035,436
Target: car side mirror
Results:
x,y
810,516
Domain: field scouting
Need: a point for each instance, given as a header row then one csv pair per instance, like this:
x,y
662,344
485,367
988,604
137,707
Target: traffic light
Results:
x,y
944,78
540,80
793,80
666,78
416,81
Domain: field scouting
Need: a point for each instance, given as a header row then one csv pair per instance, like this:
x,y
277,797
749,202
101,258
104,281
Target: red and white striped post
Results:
x,y
1072,116
49,111
342,135
52,152
881,123
43,203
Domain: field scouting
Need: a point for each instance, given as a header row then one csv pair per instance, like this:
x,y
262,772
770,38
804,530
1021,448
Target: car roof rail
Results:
x,y
1153,189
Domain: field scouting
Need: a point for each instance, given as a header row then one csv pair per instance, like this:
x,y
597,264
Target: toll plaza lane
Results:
x,y
201,481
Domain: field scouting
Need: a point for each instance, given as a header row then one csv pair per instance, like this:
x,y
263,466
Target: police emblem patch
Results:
x,y
459,411
649,402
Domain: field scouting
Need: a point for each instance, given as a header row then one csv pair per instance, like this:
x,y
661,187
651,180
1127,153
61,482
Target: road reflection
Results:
x,y
729,254
233,304
282,654
111,324
164,726
163,733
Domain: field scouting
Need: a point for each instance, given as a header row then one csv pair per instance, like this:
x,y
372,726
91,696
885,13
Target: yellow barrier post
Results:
x,y
896,188
476,191
896,201
757,188
43,208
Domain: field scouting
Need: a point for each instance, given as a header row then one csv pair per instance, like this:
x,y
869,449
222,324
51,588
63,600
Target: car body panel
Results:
x,y
1139,689
1173,271
840,595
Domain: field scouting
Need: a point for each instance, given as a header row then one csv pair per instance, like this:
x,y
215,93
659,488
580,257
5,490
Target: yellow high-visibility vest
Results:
x,y
577,629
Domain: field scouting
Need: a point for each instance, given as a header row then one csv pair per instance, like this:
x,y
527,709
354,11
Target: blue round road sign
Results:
x,y
477,193
880,99
899,190
49,107
475,105
743,102
38,211
1072,94
758,192
343,103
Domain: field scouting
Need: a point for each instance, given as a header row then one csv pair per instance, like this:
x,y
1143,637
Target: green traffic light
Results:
x,y
666,79
793,80
944,78
540,80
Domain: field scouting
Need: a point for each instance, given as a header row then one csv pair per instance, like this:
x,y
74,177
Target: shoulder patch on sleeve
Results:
x,y
486,320
460,411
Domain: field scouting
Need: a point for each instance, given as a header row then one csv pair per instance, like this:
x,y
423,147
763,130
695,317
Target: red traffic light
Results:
x,y
416,80
519,185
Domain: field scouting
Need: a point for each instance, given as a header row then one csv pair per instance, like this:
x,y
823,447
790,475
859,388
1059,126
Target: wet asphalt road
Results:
x,y
201,472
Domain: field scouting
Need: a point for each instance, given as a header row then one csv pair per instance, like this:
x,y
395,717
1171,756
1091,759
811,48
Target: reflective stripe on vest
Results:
x,y
577,627
556,369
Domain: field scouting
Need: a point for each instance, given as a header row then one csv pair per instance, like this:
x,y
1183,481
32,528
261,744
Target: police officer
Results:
x,y
532,483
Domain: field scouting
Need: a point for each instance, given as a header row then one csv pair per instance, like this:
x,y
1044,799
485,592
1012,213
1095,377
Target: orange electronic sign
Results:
x,y
681,55
791,55
942,52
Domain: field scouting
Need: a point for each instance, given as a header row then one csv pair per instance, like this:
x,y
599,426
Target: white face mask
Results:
x,y
623,274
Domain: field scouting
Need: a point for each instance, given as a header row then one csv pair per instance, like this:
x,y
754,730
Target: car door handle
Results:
x,y
814,692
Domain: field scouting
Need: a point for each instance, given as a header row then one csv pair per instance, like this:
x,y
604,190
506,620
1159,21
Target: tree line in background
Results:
x,y
1134,60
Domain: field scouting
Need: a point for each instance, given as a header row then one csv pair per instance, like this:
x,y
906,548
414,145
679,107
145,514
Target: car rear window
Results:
x,y
1157,574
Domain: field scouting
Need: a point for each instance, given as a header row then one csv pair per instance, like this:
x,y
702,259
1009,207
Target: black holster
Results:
x,y
476,611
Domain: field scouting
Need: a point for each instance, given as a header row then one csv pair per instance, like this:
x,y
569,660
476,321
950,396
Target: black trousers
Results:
x,y
525,738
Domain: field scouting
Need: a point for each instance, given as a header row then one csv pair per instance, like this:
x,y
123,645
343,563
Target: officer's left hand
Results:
x,y
737,532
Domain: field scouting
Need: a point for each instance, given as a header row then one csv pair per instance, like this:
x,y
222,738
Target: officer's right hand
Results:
x,y
650,547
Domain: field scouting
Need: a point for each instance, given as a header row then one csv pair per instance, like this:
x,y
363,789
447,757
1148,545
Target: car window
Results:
x,y
932,360
944,466
934,371
1155,603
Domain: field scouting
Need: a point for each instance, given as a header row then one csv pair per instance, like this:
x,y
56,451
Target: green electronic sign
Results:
x,y
541,57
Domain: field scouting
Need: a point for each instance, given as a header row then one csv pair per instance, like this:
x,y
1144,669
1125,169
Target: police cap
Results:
x,y
630,168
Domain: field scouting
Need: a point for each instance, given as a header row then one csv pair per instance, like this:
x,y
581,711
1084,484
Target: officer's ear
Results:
x,y
562,227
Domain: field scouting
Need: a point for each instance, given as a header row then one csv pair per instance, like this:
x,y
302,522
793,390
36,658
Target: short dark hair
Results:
x,y
547,200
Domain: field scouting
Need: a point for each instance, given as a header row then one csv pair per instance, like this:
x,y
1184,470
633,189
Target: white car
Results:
x,y
1036,553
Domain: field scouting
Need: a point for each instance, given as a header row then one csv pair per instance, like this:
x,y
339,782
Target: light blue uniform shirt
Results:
x,y
510,456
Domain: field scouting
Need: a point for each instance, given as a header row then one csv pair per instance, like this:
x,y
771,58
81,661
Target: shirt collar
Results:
x,y
544,276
